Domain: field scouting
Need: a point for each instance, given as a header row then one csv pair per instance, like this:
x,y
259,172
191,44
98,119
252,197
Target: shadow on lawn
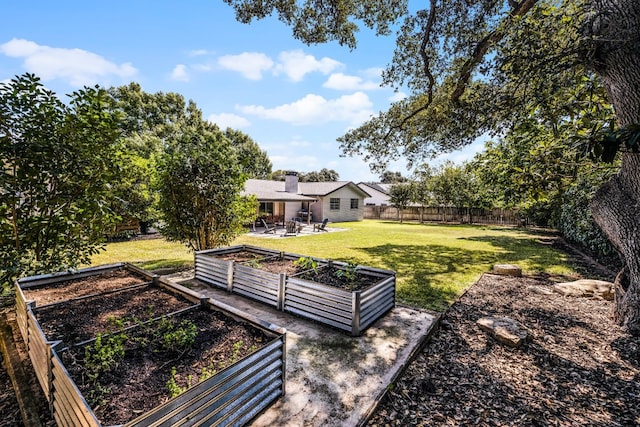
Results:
x,y
417,266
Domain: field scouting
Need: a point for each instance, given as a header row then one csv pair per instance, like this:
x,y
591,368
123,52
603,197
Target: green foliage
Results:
x,y
321,22
199,182
306,263
103,356
172,385
147,120
348,273
389,177
59,163
178,338
401,196
574,219
323,175
545,165
253,161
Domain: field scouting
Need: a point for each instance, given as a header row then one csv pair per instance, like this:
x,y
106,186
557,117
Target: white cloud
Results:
x,y
373,72
296,64
78,67
202,67
199,52
180,73
397,96
229,120
250,64
315,109
342,81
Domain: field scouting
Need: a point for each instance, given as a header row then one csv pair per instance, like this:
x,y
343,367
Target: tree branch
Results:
x,y
483,46
427,69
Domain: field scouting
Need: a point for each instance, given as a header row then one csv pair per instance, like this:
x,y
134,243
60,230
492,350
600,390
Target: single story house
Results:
x,y
379,193
336,201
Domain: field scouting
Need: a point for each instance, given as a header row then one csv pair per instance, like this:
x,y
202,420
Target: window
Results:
x,y
354,203
334,204
266,208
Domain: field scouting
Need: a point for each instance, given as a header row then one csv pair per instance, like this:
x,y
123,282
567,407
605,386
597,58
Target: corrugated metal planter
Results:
x,y
211,266
233,396
244,278
351,311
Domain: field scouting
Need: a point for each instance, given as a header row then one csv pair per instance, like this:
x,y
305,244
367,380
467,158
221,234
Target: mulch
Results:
x,y
579,368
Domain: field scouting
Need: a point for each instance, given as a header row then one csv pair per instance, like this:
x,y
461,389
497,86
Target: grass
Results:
x,y
434,263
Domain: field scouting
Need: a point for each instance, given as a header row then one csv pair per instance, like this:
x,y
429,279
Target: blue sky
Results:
x,y
294,100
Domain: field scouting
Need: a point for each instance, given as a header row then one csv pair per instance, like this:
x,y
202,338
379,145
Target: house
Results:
x,y
379,193
337,201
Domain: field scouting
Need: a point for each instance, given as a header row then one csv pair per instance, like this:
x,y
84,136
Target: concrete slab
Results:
x,y
333,379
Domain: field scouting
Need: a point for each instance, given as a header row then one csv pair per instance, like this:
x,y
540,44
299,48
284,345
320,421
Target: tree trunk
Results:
x,y
616,205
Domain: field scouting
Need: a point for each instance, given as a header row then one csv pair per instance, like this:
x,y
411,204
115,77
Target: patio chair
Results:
x,y
268,229
291,228
321,227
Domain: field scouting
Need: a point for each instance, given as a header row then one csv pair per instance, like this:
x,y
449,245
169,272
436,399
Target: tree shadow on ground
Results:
x,y
417,266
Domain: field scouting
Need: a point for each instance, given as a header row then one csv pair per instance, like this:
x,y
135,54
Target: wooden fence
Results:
x,y
444,214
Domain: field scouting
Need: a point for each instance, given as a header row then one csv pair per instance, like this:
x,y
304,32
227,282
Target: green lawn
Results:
x,y
434,263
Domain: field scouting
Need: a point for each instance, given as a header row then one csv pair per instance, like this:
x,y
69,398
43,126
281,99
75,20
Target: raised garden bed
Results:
x,y
227,366
341,295
337,294
215,266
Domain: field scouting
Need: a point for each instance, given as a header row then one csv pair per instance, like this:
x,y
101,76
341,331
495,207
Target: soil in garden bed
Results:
x,y
153,364
276,265
84,286
79,320
242,256
343,278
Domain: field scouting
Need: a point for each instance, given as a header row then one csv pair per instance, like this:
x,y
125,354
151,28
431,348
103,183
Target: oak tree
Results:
x,y
473,67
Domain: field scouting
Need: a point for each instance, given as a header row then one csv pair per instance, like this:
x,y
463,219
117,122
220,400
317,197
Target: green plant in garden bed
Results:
x,y
348,273
306,263
105,354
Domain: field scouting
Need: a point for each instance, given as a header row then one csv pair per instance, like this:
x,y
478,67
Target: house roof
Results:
x,y
272,191
325,188
307,191
379,187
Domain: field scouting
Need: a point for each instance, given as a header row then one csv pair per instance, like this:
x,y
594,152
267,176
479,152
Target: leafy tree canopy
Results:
x,y
254,161
59,163
323,175
388,177
200,180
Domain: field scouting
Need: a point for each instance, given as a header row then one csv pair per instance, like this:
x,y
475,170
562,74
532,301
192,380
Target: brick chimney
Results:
x,y
291,182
